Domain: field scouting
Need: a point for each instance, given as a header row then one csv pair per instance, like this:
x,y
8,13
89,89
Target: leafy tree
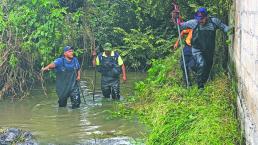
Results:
x,y
33,33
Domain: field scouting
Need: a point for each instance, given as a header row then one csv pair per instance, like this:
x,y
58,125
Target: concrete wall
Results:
x,y
244,54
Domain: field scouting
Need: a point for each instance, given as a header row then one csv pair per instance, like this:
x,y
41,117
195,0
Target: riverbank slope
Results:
x,y
177,115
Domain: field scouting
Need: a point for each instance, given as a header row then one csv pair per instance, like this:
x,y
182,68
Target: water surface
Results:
x,y
90,124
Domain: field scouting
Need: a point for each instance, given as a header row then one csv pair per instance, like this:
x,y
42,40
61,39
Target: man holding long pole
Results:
x,y
110,65
203,41
176,10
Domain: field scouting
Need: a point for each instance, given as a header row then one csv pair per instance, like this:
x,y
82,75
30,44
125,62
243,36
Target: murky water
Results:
x,y
91,124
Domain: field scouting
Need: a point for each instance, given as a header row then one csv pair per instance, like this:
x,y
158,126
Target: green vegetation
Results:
x,y
177,115
141,30
33,33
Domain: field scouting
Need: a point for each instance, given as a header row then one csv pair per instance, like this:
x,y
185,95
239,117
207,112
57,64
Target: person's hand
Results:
x,y
175,16
45,69
124,79
176,46
78,78
94,53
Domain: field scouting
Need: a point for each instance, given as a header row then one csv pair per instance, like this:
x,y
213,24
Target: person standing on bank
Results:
x,y
187,50
203,40
67,76
110,64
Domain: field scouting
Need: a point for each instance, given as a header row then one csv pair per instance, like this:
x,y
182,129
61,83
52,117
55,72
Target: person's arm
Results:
x,y
177,41
183,32
124,72
78,75
96,63
48,67
189,24
94,54
121,63
78,69
220,25
55,64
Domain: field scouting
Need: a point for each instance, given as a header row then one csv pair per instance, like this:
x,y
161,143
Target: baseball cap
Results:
x,y
201,13
107,46
66,48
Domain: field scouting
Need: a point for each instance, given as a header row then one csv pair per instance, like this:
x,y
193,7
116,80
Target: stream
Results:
x,y
90,124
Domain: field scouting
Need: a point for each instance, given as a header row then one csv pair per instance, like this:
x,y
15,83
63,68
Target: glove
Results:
x,y
175,16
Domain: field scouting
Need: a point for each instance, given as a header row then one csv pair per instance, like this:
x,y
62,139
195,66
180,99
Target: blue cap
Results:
x,y
66,48
201,13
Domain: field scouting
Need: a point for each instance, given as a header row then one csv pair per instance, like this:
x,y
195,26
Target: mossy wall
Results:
x,y
243,64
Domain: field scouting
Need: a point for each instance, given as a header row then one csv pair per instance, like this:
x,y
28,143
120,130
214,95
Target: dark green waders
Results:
x,y
110,72
189,62
203,42
67,86
110,86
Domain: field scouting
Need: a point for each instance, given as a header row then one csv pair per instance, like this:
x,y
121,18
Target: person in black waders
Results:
x,y
110,64
203,41
67,78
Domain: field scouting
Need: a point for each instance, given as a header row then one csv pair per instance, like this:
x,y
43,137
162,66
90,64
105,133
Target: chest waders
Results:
x,y
110,72
187,63
203,42
66,86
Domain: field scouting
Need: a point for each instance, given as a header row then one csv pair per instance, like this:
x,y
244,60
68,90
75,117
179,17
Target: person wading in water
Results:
x,y
110,64
67,69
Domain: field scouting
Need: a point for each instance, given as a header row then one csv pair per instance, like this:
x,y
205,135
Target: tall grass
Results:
x,y
177,115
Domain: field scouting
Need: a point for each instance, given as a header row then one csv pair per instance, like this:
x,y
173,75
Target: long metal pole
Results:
x,y
182,51
81,91
95,76
94,86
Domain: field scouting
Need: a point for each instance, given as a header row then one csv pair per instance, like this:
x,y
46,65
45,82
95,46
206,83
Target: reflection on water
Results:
x,y
90,124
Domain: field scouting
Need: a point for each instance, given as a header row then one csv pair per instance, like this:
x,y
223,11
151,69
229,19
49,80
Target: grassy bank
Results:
x,y
177,115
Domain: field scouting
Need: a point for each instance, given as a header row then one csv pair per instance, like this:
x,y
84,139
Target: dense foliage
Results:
x,y
141,29
33,33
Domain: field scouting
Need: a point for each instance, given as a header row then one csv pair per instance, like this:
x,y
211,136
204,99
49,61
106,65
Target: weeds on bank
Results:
x,y
177,115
